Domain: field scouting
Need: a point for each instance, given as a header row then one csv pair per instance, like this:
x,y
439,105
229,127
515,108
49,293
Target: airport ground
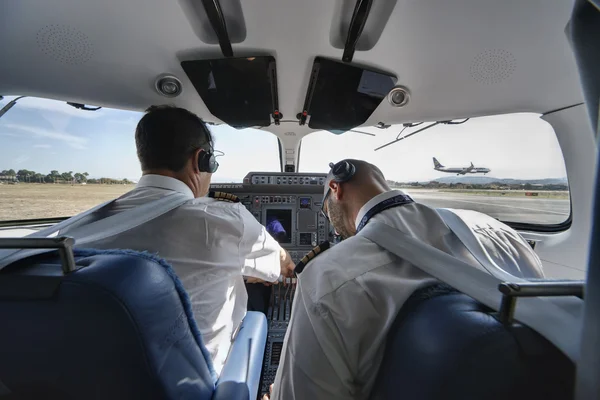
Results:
x,y
546,208
35,200
29,201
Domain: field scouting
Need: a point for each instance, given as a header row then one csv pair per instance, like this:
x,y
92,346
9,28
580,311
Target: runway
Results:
x,y
513,209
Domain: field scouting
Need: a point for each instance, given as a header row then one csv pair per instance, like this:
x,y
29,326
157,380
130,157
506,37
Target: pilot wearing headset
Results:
x,y
211,244
348,296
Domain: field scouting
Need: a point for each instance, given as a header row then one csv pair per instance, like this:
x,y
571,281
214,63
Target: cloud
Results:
x,y
22,159
73,141
129,122
42,146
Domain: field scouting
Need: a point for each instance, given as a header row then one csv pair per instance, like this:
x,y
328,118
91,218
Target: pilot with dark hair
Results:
x,y
348,297
210,244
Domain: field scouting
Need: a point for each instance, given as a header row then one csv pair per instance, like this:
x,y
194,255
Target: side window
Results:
x,y
508,166
57,161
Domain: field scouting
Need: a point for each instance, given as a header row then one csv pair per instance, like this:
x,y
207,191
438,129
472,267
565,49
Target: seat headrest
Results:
x,y
445,345
120,327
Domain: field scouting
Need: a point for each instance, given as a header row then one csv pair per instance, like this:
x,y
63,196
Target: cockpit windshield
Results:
x,y
57,160
508,166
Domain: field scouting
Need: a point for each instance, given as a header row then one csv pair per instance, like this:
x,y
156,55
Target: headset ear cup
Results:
x,y
212,164
207,162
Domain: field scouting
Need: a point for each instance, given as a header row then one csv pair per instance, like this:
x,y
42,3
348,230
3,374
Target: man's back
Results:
x,y
348,298
206,241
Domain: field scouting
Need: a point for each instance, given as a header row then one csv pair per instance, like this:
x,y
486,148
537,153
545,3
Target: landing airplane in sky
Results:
x,y
459,170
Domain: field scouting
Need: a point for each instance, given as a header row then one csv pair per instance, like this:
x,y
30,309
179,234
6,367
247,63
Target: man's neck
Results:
x,y
362,198
170,174
163,172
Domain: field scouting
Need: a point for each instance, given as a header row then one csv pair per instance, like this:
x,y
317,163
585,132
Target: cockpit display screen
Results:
x,y
342,96
279,224
239,91
305,202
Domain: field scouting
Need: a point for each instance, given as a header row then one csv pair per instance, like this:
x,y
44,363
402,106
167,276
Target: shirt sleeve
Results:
x,y
258,250
315,361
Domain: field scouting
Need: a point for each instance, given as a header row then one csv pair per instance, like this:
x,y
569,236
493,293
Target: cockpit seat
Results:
x,y
445,345
120,327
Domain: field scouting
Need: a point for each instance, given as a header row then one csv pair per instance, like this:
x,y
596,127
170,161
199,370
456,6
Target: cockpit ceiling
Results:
x,y
458,58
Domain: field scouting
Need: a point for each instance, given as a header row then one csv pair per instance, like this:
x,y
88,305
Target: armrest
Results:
x,y
240,377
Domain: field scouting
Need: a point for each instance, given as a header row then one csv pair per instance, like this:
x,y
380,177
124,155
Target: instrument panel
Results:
x,y
286,179
288,205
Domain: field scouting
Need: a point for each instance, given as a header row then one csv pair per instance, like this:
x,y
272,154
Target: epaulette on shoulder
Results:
x,y
310,256
223,196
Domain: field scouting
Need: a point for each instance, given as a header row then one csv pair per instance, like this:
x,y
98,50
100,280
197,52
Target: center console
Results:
x,y
288,205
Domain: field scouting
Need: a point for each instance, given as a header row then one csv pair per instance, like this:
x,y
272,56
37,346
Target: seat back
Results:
x,y
445,345
118,328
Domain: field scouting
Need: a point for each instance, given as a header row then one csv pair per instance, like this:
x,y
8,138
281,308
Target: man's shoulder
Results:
x,y
344,262
208,204
212,210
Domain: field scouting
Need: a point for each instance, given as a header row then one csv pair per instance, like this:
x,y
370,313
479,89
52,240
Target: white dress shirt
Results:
x,y
346,300
210,245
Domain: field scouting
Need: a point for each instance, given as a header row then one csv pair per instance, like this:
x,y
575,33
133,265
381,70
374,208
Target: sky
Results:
x,y
519,146
44,135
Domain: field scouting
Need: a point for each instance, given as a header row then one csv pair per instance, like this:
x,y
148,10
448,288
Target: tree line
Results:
x,y
25,175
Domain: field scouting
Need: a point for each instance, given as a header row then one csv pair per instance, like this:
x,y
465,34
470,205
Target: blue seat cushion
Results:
x,y
183,296
119,328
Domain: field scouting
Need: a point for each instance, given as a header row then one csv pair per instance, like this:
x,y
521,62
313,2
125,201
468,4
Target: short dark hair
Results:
x,y
166,137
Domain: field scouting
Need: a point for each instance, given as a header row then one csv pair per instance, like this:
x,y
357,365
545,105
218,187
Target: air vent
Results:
x,y
493,66
65,44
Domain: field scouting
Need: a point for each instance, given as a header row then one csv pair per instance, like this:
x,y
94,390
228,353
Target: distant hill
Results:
x,y
486,180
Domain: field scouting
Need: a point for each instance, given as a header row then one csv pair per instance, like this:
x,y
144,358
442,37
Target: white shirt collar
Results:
x,y
165,182
374,201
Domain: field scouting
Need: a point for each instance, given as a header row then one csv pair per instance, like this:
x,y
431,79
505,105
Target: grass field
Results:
x,y
33,200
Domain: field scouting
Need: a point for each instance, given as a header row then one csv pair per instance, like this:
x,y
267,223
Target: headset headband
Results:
x,y
342,171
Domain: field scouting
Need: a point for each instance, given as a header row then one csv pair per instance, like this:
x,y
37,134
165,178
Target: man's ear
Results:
x,y
336,189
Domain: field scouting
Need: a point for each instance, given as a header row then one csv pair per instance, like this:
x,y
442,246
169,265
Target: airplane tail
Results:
x,y
436,163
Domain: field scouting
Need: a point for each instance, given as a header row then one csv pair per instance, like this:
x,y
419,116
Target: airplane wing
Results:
x,y
468,169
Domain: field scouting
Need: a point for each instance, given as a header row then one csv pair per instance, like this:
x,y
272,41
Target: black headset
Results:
x,y
342,171
207,162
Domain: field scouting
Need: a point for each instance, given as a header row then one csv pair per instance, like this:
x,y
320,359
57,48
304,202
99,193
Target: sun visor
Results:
x,y
342,96
242,92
